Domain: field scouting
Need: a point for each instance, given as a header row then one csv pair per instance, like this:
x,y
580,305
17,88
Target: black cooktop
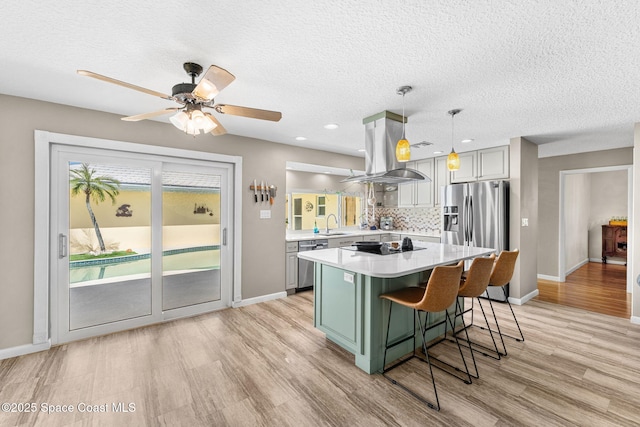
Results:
x,y
378,250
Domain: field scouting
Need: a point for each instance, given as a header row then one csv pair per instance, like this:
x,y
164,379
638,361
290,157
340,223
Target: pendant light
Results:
x,y
403,148
453,160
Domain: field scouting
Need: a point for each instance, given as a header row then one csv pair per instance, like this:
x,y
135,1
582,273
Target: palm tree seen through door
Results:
x,y
84,180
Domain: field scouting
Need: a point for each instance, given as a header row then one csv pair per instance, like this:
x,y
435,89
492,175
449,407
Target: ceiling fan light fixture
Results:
x,y
193,122
206,90
180,120
208,125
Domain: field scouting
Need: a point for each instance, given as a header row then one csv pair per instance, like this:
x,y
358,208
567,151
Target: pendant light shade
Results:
x,y
403,148
453,160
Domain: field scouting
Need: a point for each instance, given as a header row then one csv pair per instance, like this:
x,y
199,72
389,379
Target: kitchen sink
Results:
x,y
337,233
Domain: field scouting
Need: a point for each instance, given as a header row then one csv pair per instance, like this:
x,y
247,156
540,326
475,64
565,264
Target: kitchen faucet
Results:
x,y
329,216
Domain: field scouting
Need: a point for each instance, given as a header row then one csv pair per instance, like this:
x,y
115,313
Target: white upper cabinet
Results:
x,y
442,178
420,193
468,168
491,163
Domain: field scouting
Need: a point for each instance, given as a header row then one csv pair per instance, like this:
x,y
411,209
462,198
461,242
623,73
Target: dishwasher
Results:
x,y
305,268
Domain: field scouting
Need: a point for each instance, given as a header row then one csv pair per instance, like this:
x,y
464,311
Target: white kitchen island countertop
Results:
x,y
394,265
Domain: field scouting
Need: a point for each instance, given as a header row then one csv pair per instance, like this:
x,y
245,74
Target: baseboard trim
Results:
x,y
259,299
21,350
524,299
577,266
609,261
545,277
635,320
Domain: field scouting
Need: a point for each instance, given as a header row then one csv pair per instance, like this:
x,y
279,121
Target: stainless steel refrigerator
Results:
x,y
477,214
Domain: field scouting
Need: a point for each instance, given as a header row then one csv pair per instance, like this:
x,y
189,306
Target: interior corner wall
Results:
x,y
635,231
576,209
549,197
263,241
523,203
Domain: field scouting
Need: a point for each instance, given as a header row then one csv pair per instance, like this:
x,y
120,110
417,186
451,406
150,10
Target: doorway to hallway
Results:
x,y
596,287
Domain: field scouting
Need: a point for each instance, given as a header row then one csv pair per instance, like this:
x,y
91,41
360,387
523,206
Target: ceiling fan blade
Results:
x,y
253,113
213,81
150,115
121,83
219,129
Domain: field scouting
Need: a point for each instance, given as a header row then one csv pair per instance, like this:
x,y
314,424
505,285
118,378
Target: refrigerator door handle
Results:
x,y
470,220
466,219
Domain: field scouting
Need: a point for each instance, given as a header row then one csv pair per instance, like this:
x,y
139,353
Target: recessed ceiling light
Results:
x,y
362,150
437,152
300,138
466,140
331,126
327,172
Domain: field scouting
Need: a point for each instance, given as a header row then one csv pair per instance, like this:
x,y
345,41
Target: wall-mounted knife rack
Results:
x,y
263,192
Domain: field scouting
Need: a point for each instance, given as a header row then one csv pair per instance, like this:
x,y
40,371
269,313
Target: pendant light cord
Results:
x,y
452,116
403,119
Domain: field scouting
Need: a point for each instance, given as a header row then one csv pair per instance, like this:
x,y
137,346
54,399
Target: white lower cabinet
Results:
x,y
291,267
390,237
344,241
418,238
371,238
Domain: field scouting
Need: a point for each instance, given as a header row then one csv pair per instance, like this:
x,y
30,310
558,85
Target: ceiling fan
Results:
x,y
193,98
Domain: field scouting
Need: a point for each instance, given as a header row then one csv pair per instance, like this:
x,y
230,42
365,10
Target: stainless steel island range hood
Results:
x,y
382,132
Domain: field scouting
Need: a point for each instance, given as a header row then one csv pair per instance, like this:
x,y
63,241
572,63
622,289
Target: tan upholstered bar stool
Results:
x,y
472,285
501,275
440,294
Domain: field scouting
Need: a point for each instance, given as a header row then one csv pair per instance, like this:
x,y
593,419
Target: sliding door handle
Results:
x,y
224,237
62,246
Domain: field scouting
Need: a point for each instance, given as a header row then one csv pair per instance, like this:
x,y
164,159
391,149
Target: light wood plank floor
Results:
x,y
265,364
597,287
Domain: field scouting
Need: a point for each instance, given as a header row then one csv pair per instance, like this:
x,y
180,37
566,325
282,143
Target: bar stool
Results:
x,y
501,275
472,285
440,294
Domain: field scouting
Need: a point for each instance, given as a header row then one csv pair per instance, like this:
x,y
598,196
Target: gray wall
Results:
x,y
549,197
263,240
576,212
523,203
297,180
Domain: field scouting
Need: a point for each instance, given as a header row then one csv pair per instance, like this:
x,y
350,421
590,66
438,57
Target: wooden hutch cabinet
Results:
x,y
614,241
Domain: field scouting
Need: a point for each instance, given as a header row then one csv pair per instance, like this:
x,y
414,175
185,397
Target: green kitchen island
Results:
x,y
347,286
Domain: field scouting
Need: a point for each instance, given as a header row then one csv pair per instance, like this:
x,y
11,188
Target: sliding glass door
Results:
x,y
192,235
137,239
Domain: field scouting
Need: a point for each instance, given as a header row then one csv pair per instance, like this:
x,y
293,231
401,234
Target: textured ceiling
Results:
x,y
564,74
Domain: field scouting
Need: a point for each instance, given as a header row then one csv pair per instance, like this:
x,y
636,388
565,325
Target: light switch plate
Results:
x,y
265,214
348,277
525,222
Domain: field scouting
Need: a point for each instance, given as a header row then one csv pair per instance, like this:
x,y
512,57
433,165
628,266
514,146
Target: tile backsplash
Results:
x,y
425,220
